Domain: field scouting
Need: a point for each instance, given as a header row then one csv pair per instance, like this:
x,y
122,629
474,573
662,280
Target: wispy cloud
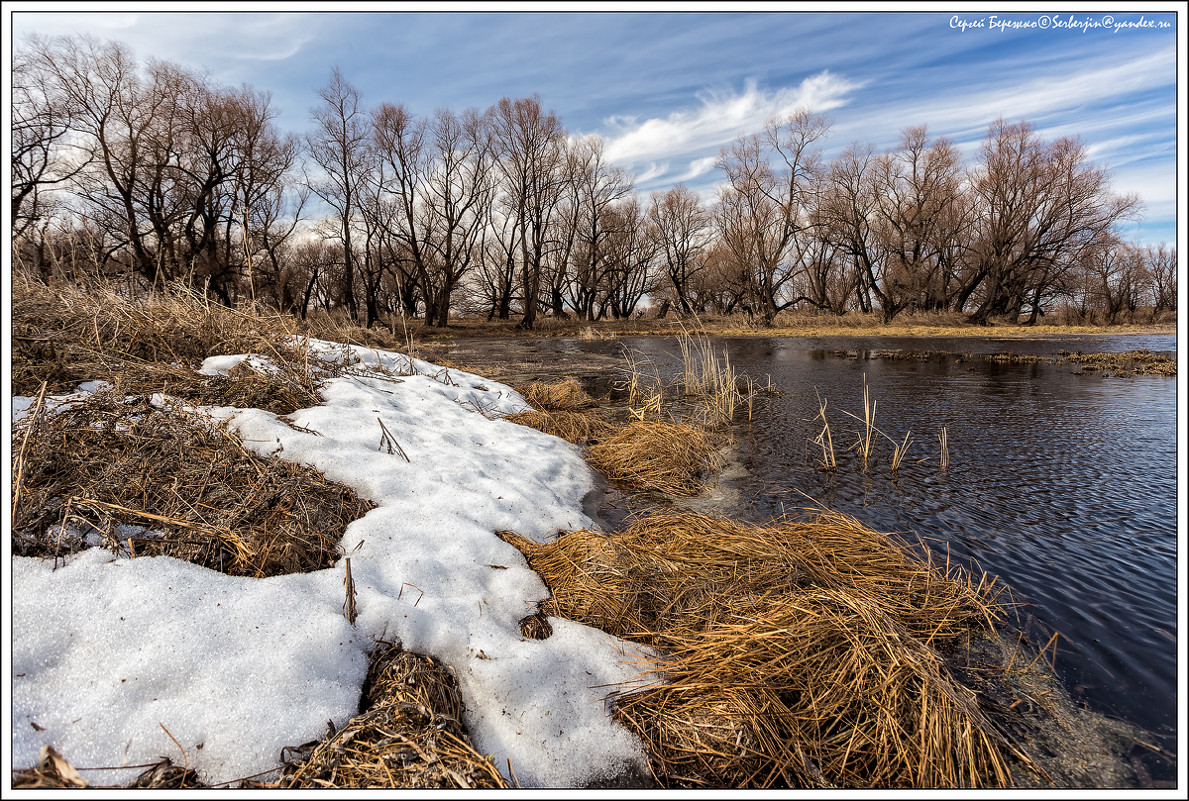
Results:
x,y
1055,97
224,43
698,168
721,118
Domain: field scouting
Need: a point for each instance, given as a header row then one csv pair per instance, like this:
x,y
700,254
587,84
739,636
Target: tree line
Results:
x,y
160,174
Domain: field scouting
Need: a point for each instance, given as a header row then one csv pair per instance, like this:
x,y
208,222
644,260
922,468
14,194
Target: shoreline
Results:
x,y
611,329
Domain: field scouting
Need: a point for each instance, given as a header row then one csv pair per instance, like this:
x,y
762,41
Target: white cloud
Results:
x,y
720,119
653,170
1069,101
698,167
224,43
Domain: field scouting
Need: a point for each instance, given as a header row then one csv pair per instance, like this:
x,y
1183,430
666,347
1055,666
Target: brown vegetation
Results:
x,y
409,734
662,458
149,478
796,654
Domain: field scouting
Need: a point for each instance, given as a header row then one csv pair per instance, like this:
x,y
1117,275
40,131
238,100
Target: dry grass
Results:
x,y
580,428
149,480
66,334
557,396
409,735
650,457
1131,363
561,409
796,654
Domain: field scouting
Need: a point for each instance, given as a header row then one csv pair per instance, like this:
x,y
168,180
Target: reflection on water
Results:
x,y
1063,485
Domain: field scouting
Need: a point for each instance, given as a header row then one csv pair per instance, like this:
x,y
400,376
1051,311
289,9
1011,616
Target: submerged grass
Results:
x,y
810,653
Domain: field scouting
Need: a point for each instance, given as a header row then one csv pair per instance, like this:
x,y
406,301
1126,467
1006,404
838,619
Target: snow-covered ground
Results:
x,y
113,659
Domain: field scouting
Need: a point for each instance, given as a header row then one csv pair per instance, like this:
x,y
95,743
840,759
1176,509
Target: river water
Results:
x,y
1063,485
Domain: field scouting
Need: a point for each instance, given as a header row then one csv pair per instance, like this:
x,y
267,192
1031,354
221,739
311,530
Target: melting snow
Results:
x,y
114,658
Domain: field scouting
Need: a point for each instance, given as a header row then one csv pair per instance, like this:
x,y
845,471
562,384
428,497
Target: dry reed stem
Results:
x,y
825,439
899,449
18,472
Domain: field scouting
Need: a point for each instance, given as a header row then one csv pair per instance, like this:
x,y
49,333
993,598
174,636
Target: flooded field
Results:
x,y
1062,484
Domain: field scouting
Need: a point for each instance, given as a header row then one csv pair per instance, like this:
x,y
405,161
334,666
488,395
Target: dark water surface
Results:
x,y
1063,485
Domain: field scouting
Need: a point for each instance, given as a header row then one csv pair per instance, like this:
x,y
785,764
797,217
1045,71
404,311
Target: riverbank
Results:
x,y
801,325
428,446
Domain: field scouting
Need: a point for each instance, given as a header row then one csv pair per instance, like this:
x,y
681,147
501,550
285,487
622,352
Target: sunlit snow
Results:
x,y
114,659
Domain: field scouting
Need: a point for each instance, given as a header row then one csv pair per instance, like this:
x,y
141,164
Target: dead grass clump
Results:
x,y
561,409
1130,363
150,480
557,396
811,653
579,428
409,735
664,458
596,585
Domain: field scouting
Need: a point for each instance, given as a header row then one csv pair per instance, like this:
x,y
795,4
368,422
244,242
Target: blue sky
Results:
x,y
668,90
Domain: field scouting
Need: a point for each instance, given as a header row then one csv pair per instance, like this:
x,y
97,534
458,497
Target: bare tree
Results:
x,y
1039,206
498,260
765,203
684,229
458,198
630,254
846,212
920,222
404,167
532,165
338,146
43,153
1161,271
598,186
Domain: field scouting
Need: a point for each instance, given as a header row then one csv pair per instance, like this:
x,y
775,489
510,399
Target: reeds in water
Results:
x,y
824,438
712,381
899,449
866,435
